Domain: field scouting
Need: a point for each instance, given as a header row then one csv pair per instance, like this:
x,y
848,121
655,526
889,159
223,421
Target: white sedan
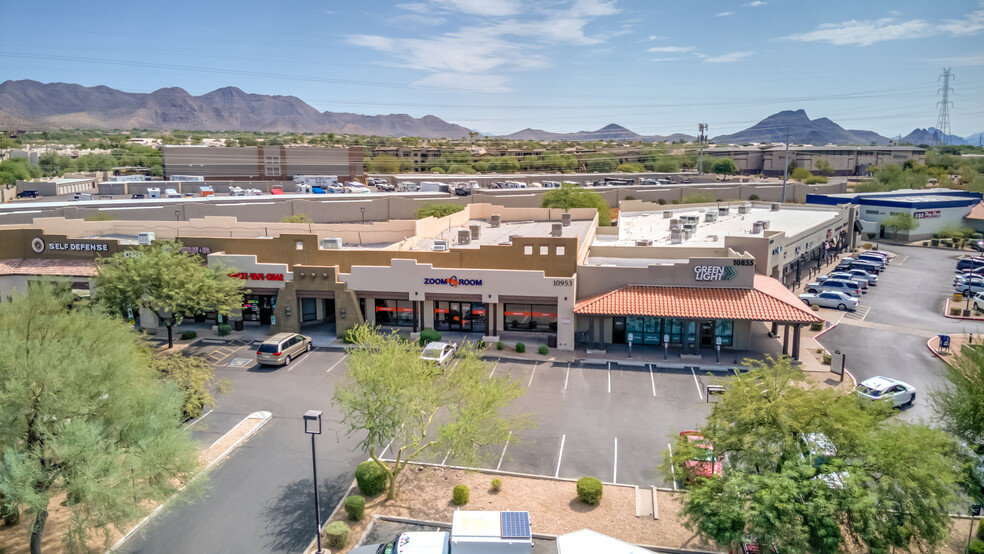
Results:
x,y
830,299
880,388
440,353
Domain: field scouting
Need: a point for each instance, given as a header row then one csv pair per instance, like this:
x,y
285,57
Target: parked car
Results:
x,y
281,348
850,287
882,388
843,276
27,194
969,287
881,253
967,278
862,275
704,464
872,258
976,245
977,301
969,263
440,353
851,263
830,299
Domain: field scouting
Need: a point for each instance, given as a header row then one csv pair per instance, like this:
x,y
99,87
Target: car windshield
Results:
x,y
432,351
268,348
869,391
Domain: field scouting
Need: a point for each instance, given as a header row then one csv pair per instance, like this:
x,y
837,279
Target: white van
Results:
x,y
82,196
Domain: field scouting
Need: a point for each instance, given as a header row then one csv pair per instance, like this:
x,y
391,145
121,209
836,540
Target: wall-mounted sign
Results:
x,y
563,282
196,249
258,276
743,262
39,246
926,214
714,273
452,281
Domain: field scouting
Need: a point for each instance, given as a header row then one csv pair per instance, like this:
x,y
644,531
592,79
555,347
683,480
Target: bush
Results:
x,y
482,345
497,485
815,308
935,242
371,478
297,218
589,490
826,359
500,345
224,329
349,337
429,335
936,235
661,202
980,531
543,350
976,546
355,507
337,533
460,494
520,347
698,198
816,326
188,335
438,210
925,243
150,332
753,197
815,180
955,311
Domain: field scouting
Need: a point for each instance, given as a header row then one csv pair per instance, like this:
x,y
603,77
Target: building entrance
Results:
x,y
464,317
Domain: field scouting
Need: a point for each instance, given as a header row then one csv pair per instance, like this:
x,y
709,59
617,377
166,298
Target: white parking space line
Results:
x,y
336,364
201,417
296,362
383,453
568,376
672,469
696,382
560,455
495,365
609,377
530,384
503,455
445,460
615,467
652,379
898,261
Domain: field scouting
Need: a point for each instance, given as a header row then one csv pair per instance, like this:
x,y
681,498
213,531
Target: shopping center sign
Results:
x,y
452,281
714,273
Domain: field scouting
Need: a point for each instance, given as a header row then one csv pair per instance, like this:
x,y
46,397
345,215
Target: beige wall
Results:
x,y
597,280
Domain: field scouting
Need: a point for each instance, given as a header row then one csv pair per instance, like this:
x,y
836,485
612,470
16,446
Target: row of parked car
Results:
x,y
969,280
843,287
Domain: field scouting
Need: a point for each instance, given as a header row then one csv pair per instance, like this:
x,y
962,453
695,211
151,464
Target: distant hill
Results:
x,y
928,136
32,105
608,132
802,130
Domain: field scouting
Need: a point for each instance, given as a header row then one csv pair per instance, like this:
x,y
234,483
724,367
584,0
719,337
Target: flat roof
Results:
x,y
502,234
654,226
921,193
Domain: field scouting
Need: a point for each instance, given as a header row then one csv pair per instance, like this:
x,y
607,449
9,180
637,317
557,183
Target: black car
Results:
x,y
136,197
27,194
462,191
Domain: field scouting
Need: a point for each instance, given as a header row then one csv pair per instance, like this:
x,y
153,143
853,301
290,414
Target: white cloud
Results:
x,y
868,32
670,49
465,82
656,37
724,14
755,4
491,8
728,58
663,59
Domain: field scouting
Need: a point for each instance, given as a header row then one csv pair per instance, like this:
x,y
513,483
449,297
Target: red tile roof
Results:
x,y
767,301
67,268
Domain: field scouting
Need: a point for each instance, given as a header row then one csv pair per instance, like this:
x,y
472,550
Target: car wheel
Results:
x,y
911,400
807,302
287,360
308,349
812,291
841,307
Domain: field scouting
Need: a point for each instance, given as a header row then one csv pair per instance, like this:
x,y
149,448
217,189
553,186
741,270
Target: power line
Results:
x,y
943,121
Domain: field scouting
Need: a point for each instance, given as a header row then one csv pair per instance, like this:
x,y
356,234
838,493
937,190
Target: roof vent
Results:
x,y
495,221
440,246
331,244
775,206
565,219
476,230
710,216
723,210
667,214
757,227
556,230
743,209
676,236
643,242
464,236
145,238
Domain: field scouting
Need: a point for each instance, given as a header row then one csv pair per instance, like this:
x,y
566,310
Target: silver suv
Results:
x,y
281,348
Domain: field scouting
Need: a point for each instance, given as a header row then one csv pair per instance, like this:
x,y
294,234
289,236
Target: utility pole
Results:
x,y
701,139
943,122
785,172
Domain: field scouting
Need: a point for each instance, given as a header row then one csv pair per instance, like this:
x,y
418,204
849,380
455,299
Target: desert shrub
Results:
x,y
297,218
500,345
460,494
753,197
482,345
815,308
698,198
815,180
438,210
543,350
976,546
188,335
816,326
337,533
826,359
99,216
355,507
520,347
497,484
661,201
935,242
429,335
370,478
955,311
223,329
589,490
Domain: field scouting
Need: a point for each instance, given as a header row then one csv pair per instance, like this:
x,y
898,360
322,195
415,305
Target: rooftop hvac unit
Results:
x,y
743,209
689,226
331,244
688,234
464,236
145,238
667,214
765,223
710,216
723,210
675,224
495,220
756,227
643,242
556,230
476,231
440,246
565,219
775,206
676,236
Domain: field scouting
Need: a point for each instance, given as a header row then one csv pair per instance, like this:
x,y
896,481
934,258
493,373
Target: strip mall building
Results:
x,y
667,278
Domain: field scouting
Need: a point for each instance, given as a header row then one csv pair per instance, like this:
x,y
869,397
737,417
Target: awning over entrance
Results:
x,y
768,300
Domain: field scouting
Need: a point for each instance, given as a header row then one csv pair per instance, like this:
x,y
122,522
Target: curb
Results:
x,y
946,313
331,516
508,473
847,371
265,416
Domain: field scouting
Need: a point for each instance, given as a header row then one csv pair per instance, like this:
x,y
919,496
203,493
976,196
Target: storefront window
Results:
x,y
537,318
459,316
724,330
645,329
394,313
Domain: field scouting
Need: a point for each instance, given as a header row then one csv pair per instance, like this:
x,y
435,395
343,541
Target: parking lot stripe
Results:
x,y
445,460
560,455
530,384
336,363
201,417
696,382
672,469
609,377
652,379
568,375
615,467
495,365
383,453
503,455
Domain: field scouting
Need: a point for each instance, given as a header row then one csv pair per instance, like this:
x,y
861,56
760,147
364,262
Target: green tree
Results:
x,y
699,197
297,218
901,221
439,210
883,484
960,407
800,174
573,196
383,163
724,166
170,283
823,167
395,396
194,376
600,163
81,411
667,165
15,169
631,167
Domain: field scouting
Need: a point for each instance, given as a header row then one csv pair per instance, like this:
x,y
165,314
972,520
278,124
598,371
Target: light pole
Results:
x,y
363,208
312,426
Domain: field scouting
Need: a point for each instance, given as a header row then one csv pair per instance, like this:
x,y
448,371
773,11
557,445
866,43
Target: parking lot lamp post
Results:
x,y
312,426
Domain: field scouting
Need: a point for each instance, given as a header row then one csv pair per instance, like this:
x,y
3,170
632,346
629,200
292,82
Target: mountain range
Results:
x,y
31,105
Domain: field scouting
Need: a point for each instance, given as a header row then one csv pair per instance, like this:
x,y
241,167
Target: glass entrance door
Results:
x,y
706,334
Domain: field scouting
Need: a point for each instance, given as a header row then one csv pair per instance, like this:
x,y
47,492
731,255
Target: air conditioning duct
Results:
x,y
667,214
743,209
464,236
710,216
775,206
331,244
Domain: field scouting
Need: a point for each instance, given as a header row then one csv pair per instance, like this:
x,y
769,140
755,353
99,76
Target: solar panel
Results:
x,y
515,525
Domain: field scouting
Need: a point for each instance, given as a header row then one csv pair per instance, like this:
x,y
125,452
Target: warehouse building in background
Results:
x,y
263,163
844,160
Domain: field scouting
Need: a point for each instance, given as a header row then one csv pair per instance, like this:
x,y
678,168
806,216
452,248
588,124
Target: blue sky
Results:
x,y
654,66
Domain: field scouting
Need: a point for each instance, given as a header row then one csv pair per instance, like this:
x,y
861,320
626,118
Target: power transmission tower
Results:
x,y
702,140
943,122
